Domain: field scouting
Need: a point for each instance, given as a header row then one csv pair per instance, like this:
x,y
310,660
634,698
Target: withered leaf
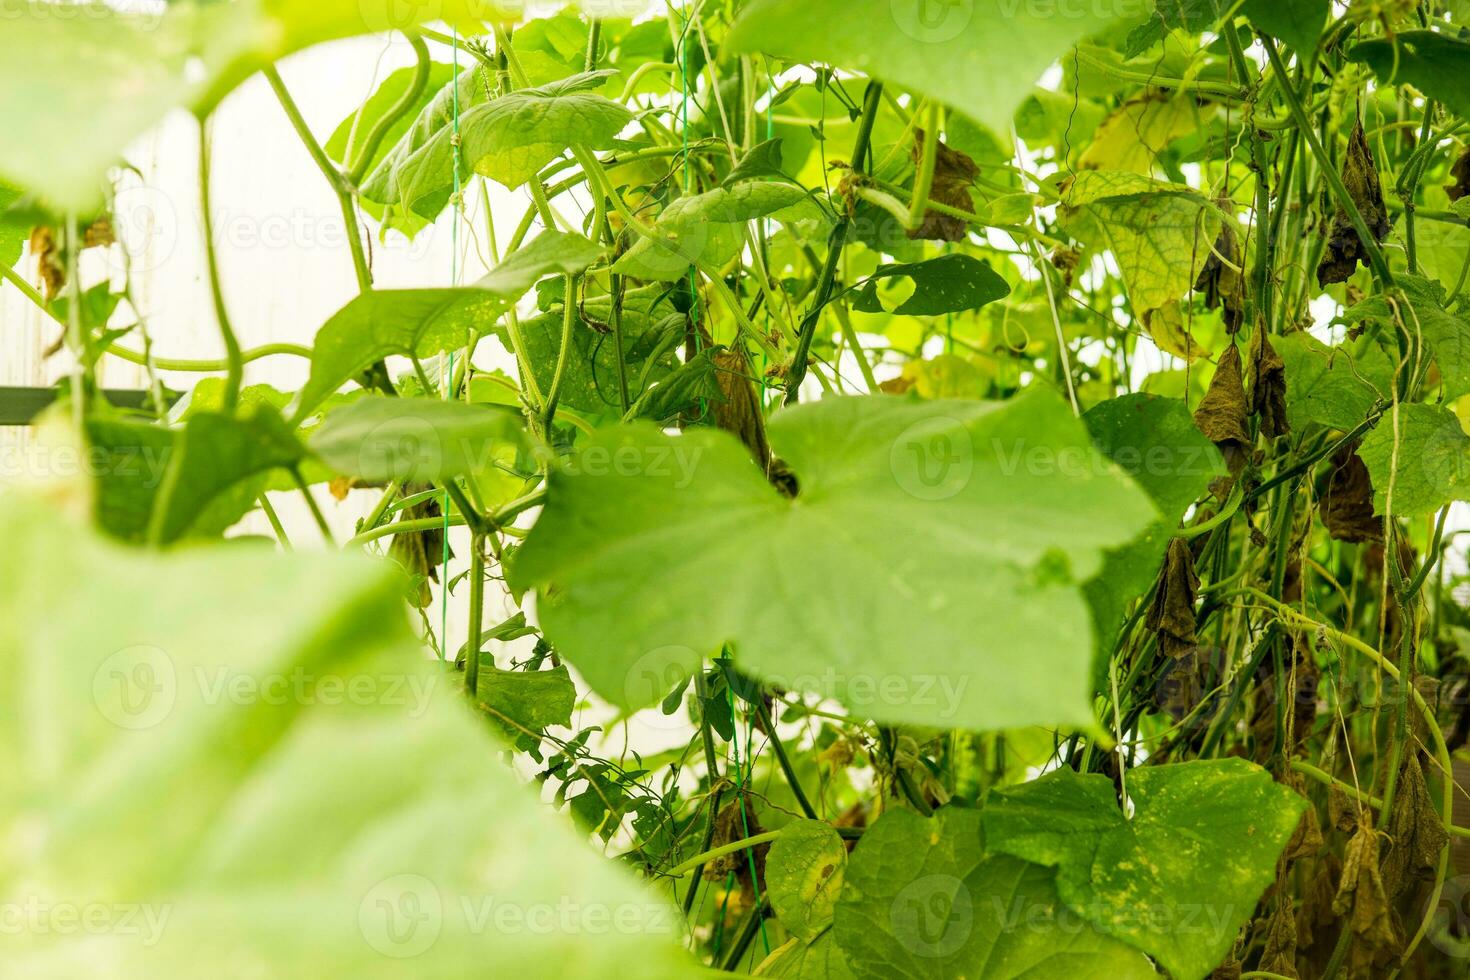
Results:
x,y
954,172
1279,956
1172,614
1316,910
1223,286
1229,970
1221,414
731,824
1268,386
420,552
1416,833
897,386
1181,686
1347,510
1065,260
1307,839
46,246
1461,174
1361,897
740,414
1344,248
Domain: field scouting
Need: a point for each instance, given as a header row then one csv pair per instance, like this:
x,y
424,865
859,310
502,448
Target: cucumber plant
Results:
x,y
977,480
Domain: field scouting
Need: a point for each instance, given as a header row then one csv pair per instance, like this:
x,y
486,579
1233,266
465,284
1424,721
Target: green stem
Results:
x,y
924,182
731,848
568,323
397,111
477,615
316,511
275,521
872,99
207,365
339,183
764,714
717,786
1339,190
234,360
416,525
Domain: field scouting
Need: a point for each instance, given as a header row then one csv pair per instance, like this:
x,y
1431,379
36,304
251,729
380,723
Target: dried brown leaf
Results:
x,y
1347,510
1229,970
420,552
1223,286
1362,898
1221,414
954,172
1172,614
1316,912
741,414
1268,386
1344,248
1307,839
1279,955
732,825
1065,260
1415,831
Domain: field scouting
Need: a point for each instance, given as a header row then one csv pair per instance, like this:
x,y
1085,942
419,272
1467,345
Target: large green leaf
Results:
x,y
385,322
1328,385
1160,234
706,228
1436,64
1180,876
651,328
194,481
1417,308
414,439
235,757
1422,454
524,702
1298,23
926,572
804,871
922,901
512,137
549,252
408,164
112,75
352,131
981,57
947,284
508,139
423,322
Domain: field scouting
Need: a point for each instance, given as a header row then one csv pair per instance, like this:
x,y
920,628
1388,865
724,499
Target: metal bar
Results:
x,y
20,406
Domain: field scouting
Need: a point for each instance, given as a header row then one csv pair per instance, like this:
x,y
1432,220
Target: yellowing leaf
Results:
x,y
1139,130
1159,233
